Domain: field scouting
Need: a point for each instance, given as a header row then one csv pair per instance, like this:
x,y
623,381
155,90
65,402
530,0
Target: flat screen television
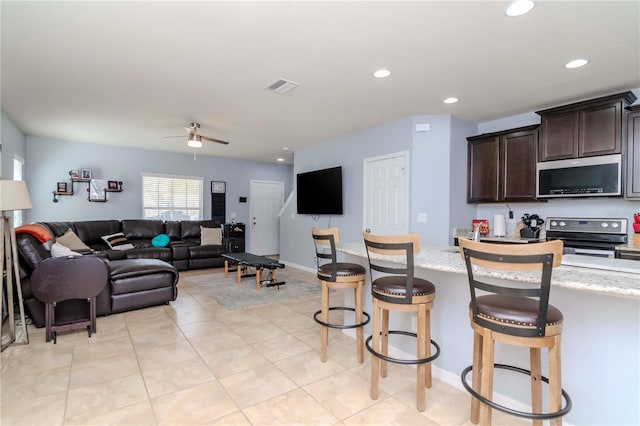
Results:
x,y
320,191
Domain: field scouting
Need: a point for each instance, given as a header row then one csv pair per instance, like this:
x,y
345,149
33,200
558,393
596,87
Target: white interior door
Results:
x,y
266,199
386,194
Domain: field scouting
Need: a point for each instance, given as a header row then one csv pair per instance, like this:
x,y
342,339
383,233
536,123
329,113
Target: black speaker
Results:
x,y
234,234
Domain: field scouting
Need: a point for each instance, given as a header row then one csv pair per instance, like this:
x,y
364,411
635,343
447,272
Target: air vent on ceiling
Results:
x,y
282,86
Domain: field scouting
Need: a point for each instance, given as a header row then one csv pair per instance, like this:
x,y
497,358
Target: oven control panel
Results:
x,y
587,225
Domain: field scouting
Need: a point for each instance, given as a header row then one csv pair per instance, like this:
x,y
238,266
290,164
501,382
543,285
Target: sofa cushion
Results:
x,y
57,228
91,231
210,236
162,253
70,239
31,250
146,229
190,229
172,229
205,252
58,250
117,241
132,275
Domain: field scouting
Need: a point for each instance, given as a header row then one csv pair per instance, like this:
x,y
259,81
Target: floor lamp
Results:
x,y
13,196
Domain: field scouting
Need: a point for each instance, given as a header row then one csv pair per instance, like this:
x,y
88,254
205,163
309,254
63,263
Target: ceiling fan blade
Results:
x,y
214,140
167,137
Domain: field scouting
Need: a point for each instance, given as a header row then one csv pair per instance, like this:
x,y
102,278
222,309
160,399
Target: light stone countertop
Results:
x,y
448,259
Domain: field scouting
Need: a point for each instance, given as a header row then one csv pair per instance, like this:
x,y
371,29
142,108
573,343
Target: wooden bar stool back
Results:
x,y
514,313
337,275
395,288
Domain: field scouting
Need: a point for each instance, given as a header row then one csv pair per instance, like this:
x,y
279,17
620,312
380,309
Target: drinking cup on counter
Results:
x,y
499,225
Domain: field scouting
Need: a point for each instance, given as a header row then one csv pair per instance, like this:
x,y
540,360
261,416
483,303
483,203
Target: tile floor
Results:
x,y
195,363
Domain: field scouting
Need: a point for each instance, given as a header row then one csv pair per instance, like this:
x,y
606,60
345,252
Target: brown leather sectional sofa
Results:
x,y
139,277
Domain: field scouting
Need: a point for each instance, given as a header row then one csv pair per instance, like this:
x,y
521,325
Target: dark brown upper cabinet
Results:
x,y
632,189
584,129
501,166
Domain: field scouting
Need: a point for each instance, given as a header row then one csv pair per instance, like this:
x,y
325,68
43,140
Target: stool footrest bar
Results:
x,y
402,361
342,326
523,414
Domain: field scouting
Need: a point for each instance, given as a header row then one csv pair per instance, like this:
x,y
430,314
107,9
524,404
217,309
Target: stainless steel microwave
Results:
x,y
599,176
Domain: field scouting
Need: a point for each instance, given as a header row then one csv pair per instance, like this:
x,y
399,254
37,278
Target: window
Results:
x,y
171,197
18,167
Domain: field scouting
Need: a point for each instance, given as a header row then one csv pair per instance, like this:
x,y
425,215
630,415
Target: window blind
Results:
x,y
171,197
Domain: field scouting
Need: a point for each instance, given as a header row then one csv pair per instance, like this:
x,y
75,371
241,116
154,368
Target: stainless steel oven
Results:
x,y
588,236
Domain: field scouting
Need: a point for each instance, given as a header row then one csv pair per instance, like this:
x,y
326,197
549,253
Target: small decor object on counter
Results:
x,y
531,227
636,229
499,225
483,225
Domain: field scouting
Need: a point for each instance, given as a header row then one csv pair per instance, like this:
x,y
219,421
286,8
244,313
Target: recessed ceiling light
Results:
x,y
382,73
280,159
519,7
451,100
576,63
285,148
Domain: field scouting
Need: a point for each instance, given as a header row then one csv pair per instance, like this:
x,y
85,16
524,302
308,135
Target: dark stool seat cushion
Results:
x,y
344,270
515,310
395,285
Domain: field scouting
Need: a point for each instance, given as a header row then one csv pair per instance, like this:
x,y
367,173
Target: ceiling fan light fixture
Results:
x,y
194,141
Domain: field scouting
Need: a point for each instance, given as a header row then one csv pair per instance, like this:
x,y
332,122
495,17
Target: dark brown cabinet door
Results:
x,y
483,160
502,166
600,130
559,136
519,157
633,153
584,129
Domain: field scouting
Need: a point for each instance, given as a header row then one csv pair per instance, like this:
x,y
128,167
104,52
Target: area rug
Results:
x,y
234,296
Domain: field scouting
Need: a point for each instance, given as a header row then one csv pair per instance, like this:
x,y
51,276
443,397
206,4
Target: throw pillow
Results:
x,y
117,241
71,240
160,240
58,250
40,232
210,236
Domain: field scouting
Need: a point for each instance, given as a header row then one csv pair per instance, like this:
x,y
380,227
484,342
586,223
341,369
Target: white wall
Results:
x,y
50,160
13,143
435,156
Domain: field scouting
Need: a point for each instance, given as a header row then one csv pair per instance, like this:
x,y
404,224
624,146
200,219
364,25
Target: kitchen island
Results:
x,y
600,339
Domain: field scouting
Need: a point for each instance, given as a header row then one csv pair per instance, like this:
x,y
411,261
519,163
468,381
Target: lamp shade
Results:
x,y
14,195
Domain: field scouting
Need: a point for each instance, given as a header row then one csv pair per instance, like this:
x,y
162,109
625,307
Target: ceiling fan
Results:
x,y
194,140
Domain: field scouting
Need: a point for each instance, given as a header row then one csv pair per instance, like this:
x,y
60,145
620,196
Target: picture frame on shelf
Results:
x,y
112,185
62,187
97,190
86,174
74,174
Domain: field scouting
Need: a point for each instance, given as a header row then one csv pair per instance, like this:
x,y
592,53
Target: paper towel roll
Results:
x,y
499,225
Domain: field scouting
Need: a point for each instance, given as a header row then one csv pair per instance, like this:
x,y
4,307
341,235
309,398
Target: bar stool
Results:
x,y
394,288
337,275
515,314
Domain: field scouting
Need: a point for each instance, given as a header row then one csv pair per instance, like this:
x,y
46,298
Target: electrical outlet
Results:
x,y
414,323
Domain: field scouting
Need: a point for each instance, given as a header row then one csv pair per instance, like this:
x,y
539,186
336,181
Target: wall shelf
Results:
x,y
99,196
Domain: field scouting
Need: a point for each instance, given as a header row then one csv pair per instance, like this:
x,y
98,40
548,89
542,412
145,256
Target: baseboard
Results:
x,y
296,266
